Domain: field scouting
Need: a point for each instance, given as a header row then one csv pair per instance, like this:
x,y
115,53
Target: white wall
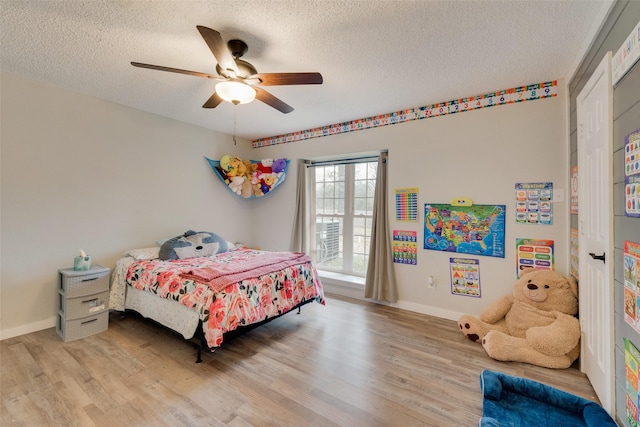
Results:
x,y
480,154
78,172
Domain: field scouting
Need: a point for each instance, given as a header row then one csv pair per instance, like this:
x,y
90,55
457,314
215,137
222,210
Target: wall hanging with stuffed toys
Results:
x,y
250,178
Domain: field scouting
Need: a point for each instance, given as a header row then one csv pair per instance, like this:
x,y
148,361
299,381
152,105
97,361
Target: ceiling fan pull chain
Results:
x,y
235,110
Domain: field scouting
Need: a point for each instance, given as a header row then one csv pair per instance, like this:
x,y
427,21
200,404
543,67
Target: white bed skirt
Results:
x,y
166,312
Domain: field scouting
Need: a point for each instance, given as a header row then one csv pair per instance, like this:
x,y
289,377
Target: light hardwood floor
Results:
x,y
348,363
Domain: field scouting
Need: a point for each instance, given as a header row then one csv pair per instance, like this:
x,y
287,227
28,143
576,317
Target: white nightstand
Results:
x,y
83,302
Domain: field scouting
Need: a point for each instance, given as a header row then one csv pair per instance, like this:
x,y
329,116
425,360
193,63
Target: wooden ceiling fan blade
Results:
x,y
177,70
218,48
267,98
280,79
212,102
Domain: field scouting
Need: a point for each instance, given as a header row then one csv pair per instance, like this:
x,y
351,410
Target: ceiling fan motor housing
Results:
x,y
237,48
244,68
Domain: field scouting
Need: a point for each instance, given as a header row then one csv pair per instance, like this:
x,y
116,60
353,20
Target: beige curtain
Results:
x,y
380,283
303,235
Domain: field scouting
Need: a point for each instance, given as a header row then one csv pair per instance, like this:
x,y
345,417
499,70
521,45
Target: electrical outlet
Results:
x,y
431,282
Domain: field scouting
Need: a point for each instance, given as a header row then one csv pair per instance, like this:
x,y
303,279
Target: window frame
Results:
x,y
349,216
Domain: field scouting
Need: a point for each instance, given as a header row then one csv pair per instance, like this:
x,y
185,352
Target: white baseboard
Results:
x,y
427,309
27,329
343,291
357,292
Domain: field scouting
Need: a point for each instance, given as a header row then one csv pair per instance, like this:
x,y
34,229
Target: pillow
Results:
x,y
193,244
143,253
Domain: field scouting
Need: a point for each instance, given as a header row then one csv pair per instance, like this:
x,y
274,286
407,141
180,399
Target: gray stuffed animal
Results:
x,y
193,244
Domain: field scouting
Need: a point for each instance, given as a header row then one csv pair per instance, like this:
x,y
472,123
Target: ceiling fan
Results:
x,y
239,81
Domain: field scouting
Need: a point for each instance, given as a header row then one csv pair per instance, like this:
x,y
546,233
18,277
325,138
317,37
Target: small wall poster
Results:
x,y
631,267
631,362
574,254
465,277
405,247
534,203
534,253
406,204
632,174
574,191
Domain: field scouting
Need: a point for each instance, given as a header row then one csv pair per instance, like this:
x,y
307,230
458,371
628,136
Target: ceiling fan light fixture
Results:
x,y
235,92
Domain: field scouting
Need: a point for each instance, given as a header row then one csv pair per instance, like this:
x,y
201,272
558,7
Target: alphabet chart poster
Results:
x,y
406,204
534,203
632,174
534,253
405,247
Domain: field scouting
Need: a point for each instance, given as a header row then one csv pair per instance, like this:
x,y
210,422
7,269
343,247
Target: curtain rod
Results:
x,y
365,159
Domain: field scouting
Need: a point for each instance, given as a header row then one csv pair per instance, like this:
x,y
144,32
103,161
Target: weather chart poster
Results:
x,y
632,174
632,283
534,203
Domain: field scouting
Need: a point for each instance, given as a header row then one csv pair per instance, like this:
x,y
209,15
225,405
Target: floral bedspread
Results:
x,y
239,304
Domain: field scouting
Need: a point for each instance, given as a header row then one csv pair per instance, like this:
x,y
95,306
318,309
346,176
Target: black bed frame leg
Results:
x,y
298,310
199,359
202,341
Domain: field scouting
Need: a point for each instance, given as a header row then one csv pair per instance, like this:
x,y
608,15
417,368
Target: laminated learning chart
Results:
x,y
534,253
631,283
405,247
534,203
474,230
631,361
632,174
465,277
406,204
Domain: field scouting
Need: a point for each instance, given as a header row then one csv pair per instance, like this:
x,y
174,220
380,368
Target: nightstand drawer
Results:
x,y
83,327
84,305
84,284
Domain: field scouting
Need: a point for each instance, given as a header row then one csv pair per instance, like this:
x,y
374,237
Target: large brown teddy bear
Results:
x,y
536,324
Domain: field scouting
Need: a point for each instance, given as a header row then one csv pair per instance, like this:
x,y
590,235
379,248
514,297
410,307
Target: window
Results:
x,y
344,195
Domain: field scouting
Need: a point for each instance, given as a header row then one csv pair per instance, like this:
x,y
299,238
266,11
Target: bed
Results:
x,y
213,296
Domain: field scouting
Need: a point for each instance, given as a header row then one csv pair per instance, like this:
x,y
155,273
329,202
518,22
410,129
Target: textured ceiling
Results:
x,y
376,56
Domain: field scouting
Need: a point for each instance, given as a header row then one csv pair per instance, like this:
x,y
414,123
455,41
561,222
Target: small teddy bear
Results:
x,y
236,184
536,324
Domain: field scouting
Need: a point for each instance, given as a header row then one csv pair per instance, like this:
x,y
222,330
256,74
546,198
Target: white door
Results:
x,y
595,181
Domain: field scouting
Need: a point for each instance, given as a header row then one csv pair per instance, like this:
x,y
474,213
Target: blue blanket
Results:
x,y
518,402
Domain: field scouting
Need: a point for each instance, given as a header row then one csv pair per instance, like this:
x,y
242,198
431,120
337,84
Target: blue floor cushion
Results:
x,y
517,402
